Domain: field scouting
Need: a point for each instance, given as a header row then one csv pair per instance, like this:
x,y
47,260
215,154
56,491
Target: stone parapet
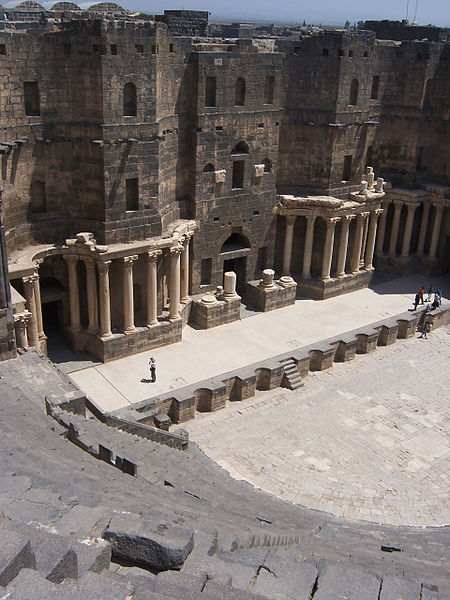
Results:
x,y
212,394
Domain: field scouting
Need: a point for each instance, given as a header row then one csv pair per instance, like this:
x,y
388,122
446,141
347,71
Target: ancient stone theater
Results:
x,y
157,170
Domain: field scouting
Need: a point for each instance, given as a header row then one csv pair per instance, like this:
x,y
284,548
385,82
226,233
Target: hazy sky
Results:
x,y
436,12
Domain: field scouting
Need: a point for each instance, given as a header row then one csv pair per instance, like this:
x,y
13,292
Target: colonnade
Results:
x,y
362,249
29,324
411,206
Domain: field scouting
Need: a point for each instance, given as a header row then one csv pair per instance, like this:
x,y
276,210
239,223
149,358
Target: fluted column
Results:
x,y
307,252
91,291
370,245
20,326
152,287
408,228
423,228
360,218
438,210
74,298
105,299
128,300
343,245
174,309
381,231
328,249
29,292
395,224
185,269
37,295
288,238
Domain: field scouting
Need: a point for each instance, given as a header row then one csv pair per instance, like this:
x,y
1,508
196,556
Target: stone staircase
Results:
x,y
292,378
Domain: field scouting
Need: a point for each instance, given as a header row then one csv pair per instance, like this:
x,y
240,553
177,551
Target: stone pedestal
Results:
x,y
268,295
207,311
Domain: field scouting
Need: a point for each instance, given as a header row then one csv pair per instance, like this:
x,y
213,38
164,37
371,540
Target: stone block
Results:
x,y
340,582
366,342
407,326
346,350
322,359
158,546
15,554
388,334
271,297
394,588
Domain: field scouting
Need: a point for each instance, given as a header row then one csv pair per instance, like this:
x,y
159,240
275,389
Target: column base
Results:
x,y
106,336
152,324
326,279
129,330
185,299
369,268
306,276
341,275
174,319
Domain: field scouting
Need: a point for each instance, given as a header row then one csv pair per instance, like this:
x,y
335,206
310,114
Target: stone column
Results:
x,y
185,270
74,298
229,285
408,228
152,287
370,246
174,308
363,242
381,232
37,295
307,252
20,326
29,293
92,299
356,253
288,238
438,210
423,228
328,249
395,223
128,300
105,299
343,245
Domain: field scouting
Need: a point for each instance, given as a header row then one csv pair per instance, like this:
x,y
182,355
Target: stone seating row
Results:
x,y
213,393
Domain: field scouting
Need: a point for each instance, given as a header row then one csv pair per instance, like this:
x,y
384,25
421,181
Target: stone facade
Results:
x,y
140,164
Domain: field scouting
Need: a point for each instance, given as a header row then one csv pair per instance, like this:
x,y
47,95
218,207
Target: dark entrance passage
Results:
x,y
239,266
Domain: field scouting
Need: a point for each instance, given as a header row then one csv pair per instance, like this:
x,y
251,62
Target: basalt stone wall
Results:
x,y
243,130
52,173
411,104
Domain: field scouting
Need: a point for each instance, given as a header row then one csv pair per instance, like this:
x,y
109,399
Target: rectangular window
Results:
x,y
171,48
3,49
114,49
375,87
206,271
154,49
269,89
347,171
210,91
132,194
31,98
238,174
139,49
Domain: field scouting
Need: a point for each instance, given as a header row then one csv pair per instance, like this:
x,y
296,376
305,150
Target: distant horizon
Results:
x,y
288,12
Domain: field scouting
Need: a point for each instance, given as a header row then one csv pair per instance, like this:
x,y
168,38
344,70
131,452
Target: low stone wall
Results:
x,y
317,289
212,394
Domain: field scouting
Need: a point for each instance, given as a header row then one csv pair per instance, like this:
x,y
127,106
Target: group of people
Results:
x,y
419,297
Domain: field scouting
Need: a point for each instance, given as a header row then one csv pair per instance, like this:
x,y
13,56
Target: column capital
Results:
x,y
186,238
22,317
331,220
37,263
347,218
103,266
398,203
412,205
385,202
71,258
310,218
377,212
129,260
438,205
30,280
152,255
88,261
176,249
362,215
290,219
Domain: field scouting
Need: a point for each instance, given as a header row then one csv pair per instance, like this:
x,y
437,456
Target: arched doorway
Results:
x,y
234,252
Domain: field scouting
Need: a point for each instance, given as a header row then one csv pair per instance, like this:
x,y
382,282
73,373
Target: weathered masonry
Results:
x,y
152,174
